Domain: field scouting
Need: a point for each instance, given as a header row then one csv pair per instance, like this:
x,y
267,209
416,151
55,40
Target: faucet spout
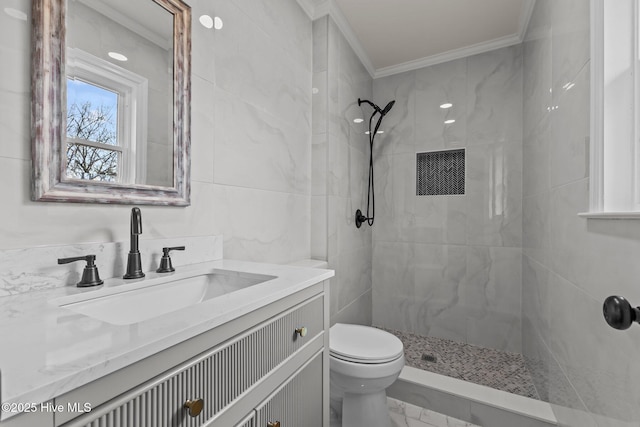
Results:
x,y
136,228
136,221
134,263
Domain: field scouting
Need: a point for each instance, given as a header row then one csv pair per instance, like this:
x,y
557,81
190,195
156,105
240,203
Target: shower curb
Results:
x,y
470,402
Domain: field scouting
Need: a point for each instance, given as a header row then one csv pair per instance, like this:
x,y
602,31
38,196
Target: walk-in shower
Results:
x,y
371,201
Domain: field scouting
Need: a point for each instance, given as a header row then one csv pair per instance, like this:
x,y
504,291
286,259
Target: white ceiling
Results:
x,y
392,36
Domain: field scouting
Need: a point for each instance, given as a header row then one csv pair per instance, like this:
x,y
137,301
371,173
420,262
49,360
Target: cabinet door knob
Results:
x,y
273,424
302,331
194,406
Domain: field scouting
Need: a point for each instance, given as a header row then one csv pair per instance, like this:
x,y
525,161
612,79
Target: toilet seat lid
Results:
x,y
363,344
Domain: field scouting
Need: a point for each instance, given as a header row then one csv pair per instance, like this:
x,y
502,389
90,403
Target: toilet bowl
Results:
x,y
364,361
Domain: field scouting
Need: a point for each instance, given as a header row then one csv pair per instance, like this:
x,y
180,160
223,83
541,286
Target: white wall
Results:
x,y
587,370
251,140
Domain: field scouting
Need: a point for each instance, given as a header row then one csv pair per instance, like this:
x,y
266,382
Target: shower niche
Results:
x,y
440,173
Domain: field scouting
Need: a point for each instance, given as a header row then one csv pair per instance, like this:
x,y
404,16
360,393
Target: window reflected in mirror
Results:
x,y
94,150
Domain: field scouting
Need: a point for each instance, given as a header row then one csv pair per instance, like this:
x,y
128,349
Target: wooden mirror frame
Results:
x,y
48,118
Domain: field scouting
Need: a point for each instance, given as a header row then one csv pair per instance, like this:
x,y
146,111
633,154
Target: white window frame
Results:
x,y
132,109
614,175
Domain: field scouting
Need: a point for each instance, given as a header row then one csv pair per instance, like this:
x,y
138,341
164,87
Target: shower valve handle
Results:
x,y
619,314
360,219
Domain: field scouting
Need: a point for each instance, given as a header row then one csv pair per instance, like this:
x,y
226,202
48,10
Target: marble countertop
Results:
x,y
46,350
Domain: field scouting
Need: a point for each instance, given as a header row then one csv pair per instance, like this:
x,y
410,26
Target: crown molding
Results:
x,y
525,18
318,8
314,8
449,55
347,32
308,7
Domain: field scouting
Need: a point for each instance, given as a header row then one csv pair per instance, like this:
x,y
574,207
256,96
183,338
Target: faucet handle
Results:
x,y
90,276
165,261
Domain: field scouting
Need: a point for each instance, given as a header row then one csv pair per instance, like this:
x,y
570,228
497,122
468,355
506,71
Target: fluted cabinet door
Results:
x,y
248,421
296,403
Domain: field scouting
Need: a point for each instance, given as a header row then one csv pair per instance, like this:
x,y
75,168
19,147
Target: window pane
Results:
x,y
92,113
91,163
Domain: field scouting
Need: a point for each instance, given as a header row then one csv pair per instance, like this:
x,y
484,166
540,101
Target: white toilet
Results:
x,y
364,361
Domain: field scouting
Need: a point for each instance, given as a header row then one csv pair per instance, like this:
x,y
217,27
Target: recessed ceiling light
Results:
x,y
358,120
368,133
314,90
209,22
448,122
380,131
15,13
118,56
206,21
446,105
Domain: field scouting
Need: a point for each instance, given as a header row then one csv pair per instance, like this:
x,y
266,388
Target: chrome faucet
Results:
x,y
134,263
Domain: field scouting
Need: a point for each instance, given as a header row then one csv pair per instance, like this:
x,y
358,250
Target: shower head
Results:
x,y
375,107
388,107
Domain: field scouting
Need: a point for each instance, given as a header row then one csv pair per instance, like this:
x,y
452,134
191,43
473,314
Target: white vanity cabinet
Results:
x,y
295,403
267,367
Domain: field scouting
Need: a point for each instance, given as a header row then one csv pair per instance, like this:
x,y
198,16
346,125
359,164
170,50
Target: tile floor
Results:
x,y
485,366
407,415
404,414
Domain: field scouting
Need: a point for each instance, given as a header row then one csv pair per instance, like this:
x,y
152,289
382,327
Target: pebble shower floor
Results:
x,y
493,368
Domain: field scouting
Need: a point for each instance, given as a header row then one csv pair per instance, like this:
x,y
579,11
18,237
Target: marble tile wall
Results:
x,y
339,173
587,370
450,266
251,140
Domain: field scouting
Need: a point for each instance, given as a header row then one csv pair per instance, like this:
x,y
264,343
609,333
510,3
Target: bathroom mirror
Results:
x,y
111,101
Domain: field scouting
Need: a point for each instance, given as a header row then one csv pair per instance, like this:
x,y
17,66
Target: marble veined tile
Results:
x,y
14,49
536,153
254,149
494,97
15,125
596,363
285,23
320,44
260,225
407,415
435,86
399,123
537,89
535,227
319,101
570,129
202,129
570,40
260,73
494,195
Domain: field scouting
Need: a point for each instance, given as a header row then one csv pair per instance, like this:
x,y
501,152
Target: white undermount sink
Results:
x,y
143,300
